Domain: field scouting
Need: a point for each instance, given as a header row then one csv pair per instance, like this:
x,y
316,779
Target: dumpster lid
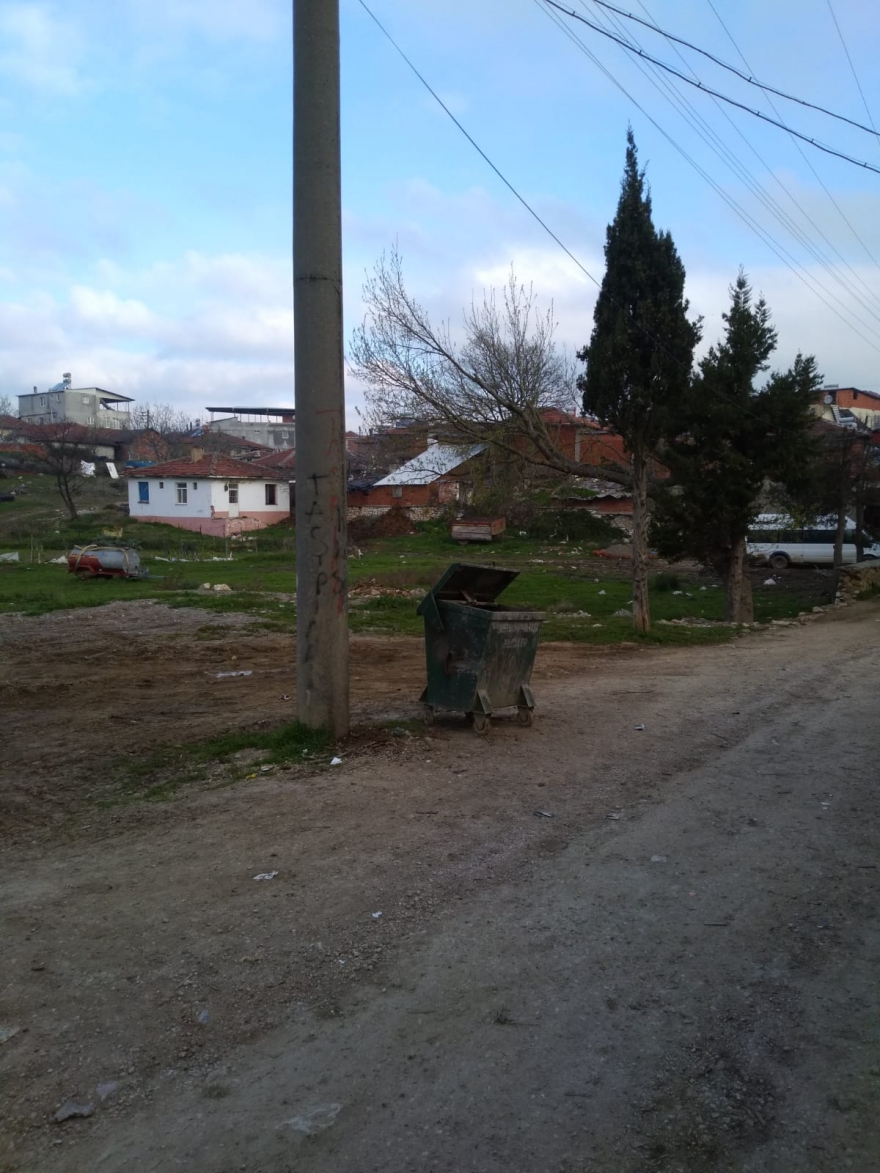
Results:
x,y
466,583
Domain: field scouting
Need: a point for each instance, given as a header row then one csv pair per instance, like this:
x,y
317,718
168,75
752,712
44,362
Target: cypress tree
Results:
x,y
638,361
734,437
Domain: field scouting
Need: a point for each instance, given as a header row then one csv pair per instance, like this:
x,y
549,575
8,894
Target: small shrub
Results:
x,y
665,581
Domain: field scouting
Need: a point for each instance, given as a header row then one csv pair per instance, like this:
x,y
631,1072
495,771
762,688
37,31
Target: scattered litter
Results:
x,y
601,592
658,859
544,815
249,777
14,557
284,697
614,815
266,876
266,769
704,588
105,1090
623,614
676,592
204,1018
315,1120
336,761
72,1111
241,672
769,582
223,587
375,915
8,1032
639,728
597,625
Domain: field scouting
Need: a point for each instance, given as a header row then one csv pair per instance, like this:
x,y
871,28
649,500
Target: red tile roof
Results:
x,y
282,458
212,464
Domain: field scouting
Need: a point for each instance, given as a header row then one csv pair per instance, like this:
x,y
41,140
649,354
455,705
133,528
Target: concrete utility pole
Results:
x,y
321,553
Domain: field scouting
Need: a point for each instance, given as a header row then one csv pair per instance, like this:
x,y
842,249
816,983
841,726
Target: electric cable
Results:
x,y
800,149
853,68
780,182
720,148
732,203
715,93
655,28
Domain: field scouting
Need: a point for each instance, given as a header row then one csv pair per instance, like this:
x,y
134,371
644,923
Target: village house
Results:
x,y
210,493
437,477
848,406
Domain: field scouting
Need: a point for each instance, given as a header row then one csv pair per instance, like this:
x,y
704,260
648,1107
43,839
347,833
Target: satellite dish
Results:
x,y
829,399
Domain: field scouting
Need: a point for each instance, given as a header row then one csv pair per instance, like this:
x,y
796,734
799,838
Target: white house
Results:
x,y
210,493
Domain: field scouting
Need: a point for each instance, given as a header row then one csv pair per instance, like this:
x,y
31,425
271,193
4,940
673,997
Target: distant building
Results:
x,y
848,407
90,406
441,475
271,427
209,493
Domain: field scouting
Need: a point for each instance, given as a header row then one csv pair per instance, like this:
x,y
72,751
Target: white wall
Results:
x,y
251,497
163,498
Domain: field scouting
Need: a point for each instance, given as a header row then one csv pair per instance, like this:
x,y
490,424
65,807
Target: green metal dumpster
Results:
x,y
479,653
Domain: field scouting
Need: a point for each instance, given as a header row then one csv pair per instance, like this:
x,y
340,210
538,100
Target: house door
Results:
x,y
233,500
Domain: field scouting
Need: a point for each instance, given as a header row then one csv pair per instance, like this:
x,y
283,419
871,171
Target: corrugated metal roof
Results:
x,y
436,461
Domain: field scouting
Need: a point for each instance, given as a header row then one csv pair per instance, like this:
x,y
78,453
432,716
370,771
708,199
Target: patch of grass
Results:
x,y
871,592
158,776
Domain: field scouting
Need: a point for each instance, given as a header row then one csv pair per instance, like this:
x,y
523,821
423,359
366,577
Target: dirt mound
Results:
x,y
394,523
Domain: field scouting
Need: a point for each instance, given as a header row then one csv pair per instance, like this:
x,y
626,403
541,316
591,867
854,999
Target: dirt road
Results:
x,y
599,949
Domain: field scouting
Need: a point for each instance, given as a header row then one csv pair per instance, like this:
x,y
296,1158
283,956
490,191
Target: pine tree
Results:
x,y
638,361
733,437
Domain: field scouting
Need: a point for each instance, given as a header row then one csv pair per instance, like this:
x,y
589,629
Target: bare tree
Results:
x,y
161,418
6,405
492,387
60,450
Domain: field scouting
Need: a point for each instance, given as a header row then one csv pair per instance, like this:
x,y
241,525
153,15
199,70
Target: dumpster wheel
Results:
x,y
480,722
428,714
524,715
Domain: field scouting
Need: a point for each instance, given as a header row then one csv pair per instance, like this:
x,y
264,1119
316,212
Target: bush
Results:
x,y
665,582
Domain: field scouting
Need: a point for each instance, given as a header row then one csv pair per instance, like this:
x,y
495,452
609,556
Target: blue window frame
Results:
x,y
144,492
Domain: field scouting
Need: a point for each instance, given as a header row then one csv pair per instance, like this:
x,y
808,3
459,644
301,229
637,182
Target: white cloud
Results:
x,y
220,20
41,50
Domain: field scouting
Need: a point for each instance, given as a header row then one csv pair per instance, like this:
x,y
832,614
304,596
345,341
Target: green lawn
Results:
x,y
579,592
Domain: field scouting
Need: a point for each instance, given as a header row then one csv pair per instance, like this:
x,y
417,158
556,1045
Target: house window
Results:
x,y
396,490
855,396
195,484
144,492
181,492
161,484
271,495
233,494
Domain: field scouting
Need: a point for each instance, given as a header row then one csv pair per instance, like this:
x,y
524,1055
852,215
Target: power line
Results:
x,y
721,149
800,149
528,207
853,68
748,220
657,342
781,184
655,28
715,93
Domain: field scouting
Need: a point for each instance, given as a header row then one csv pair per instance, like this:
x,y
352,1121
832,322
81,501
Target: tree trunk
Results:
x,y
838,536
860,521
738,603
641,603
67,497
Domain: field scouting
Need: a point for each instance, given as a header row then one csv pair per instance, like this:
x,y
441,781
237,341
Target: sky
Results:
x,y
145,177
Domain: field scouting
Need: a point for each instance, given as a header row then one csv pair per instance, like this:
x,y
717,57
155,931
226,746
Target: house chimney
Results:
x,y
197,454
